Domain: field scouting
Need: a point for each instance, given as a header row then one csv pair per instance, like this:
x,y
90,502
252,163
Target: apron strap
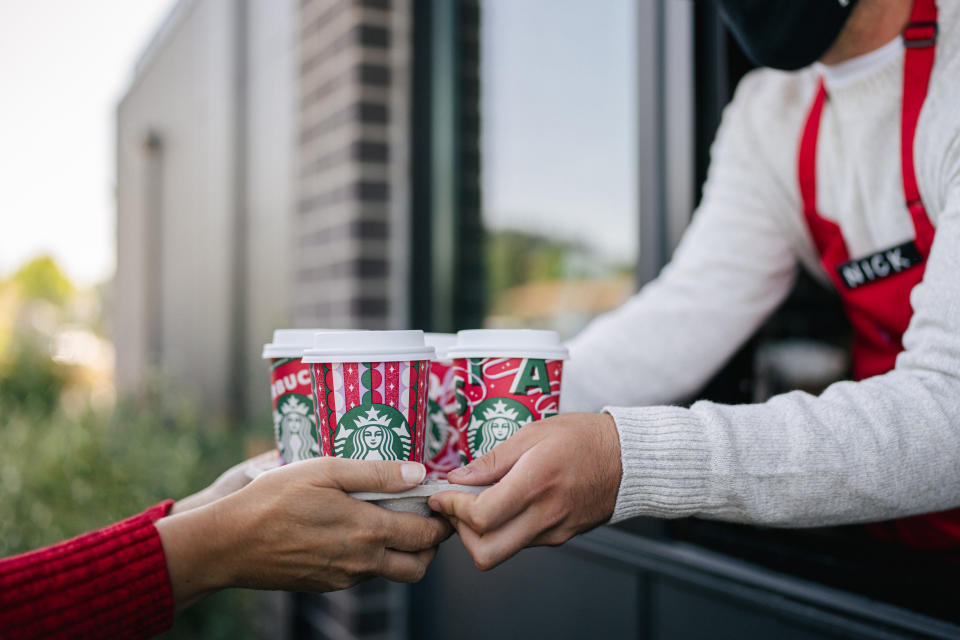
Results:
x,y
824,232
919,40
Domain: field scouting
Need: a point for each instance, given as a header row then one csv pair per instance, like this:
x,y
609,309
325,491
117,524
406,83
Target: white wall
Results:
x,y
186,92
271,175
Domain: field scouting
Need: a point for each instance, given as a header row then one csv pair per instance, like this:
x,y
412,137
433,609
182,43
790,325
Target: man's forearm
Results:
x,y
866,451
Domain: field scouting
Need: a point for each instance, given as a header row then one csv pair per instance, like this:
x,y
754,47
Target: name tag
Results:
x,y
879,265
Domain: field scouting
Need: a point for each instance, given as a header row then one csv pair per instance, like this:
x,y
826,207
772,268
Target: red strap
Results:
x,y
825,232
919,38
807,162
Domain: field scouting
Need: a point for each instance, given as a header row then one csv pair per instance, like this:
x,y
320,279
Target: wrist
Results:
x,y
610,448
193,501
196,550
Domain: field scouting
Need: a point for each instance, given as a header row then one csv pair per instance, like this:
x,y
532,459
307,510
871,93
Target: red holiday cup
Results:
x,y
441,440
370,393
505,379
291,393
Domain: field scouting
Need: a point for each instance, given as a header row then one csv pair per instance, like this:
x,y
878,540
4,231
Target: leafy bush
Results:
x,y
30,380
42,279
62,475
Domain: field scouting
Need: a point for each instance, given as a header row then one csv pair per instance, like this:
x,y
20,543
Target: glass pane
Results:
x,y
558,141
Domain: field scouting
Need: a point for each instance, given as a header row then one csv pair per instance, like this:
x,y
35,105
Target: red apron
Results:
x,y
875,289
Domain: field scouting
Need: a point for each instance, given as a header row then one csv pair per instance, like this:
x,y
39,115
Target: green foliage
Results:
x,y
41,278
64,472
29,379
517,257
61,476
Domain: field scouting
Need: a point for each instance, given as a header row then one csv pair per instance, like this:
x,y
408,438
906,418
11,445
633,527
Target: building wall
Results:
x,y
273,193
174,213
271,119
205,174
350,141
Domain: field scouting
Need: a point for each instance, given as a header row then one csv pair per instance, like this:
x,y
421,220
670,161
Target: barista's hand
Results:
x,y
295,528
231,480
557,477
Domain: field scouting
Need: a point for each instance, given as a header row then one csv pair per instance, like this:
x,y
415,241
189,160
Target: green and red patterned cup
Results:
x,y
294,419
441,440
504,380
370,393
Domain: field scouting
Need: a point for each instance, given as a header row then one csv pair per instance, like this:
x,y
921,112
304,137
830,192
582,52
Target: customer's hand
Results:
x,y
557,477
231,480
295,528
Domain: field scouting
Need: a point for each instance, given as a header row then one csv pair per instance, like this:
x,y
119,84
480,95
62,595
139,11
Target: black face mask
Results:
x,y
785,34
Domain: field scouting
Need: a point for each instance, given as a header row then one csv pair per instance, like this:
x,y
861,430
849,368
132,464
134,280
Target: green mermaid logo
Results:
x,y
493,421
373,432
294,420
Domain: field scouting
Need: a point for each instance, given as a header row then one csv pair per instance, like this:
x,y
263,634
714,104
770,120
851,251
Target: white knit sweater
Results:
x,y
885,447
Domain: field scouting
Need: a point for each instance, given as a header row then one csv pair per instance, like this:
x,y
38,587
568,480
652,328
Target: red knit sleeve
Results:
x,y
104,584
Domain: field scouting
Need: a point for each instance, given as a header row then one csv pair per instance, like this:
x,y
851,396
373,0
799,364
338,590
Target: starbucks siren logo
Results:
x,y
373,432
493,421
295,433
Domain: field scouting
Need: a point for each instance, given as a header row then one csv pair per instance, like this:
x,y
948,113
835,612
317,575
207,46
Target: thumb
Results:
x,y
491,467
370,475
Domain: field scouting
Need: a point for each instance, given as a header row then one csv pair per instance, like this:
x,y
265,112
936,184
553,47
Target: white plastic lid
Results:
x,y
369,346
513,343
290,343
442,342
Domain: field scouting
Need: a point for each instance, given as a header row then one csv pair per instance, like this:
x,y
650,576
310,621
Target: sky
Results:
x,y
63,67
558,120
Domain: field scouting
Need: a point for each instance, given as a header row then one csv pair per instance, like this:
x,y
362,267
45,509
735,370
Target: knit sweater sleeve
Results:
x,y
881,448
734,265
108,583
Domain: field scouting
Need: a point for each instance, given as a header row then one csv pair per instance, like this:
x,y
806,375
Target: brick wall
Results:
x,y
347,154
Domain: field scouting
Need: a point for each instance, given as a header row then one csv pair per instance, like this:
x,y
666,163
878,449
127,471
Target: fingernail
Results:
x,y
433,504
413,472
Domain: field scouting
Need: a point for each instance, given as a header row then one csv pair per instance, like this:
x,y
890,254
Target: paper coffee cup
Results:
x,y
441,440
370,393
294,418
504,380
